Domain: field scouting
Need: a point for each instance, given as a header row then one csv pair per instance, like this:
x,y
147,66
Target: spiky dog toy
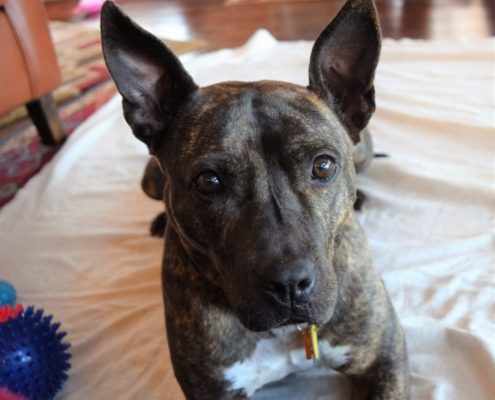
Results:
x,y
33,358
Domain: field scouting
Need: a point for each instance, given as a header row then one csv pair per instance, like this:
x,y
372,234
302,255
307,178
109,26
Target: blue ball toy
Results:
x,y
8,294
33,358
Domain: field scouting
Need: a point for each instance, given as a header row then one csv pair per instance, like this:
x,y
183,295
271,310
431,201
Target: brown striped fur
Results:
x,y
245,217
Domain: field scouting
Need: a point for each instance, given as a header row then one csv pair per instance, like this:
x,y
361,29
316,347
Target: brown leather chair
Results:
x,y
28,66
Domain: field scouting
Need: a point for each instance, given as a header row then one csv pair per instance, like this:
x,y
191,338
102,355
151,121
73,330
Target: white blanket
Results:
x,y
75,240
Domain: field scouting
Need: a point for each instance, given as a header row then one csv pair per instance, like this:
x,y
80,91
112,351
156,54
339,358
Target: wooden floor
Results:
x,y
229,23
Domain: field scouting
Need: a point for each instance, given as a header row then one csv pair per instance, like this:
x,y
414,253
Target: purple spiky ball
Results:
x,y
33,359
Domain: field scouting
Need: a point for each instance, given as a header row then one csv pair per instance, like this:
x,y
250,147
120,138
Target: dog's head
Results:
x,y
260,175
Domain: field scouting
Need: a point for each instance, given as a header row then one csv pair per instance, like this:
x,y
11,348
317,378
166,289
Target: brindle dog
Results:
x,y
259,183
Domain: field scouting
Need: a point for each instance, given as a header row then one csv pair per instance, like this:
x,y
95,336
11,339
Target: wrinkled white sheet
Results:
x,y
75,239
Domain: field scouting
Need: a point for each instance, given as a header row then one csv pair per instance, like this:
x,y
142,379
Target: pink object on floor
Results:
x,y
7,395
89,7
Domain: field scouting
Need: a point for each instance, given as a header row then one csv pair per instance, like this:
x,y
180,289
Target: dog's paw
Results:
x,y
360,199
158,225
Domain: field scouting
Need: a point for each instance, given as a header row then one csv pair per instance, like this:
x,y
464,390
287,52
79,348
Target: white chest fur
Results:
x,y
278,356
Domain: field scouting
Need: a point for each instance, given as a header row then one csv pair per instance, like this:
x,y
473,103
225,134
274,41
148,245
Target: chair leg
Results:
x,y
44,115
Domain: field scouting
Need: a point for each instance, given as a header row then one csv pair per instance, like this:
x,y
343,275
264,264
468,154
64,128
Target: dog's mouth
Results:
x,y
303,318
258,326
271,318
296,321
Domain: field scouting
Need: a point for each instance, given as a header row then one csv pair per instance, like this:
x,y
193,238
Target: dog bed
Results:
x,y
75,240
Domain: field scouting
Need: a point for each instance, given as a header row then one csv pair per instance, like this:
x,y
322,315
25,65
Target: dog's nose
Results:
x,y
290,282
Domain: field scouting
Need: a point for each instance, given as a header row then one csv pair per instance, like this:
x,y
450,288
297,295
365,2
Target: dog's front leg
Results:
x,y
158,225
200,348
386,379
204,337
381,373
199,358
153,184
365,324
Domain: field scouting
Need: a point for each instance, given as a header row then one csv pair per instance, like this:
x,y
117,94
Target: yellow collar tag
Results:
x,y
310,335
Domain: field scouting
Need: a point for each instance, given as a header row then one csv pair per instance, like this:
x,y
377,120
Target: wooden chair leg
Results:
x,y
44,115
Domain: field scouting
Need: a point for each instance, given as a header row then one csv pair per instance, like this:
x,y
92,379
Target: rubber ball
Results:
x,y
33,358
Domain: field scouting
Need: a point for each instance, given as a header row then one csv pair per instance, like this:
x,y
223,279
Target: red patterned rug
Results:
x,y
86,86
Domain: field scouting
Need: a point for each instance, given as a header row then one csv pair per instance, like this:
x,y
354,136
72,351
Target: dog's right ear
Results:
x,y
150,78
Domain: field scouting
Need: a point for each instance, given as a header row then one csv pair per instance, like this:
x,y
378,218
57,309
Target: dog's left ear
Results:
x,y
150,78
343,63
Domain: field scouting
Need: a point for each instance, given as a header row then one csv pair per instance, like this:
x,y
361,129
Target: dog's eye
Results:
x,y
208,183
324,168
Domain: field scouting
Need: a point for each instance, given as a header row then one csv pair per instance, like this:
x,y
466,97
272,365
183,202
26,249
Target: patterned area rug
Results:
x,y
86,86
